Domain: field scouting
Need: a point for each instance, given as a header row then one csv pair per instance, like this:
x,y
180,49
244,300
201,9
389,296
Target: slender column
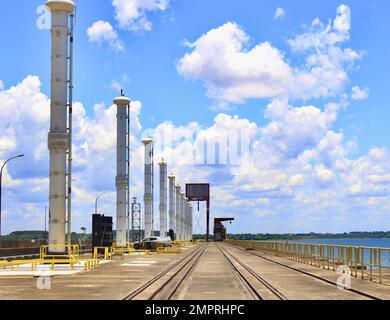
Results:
x,y
172,198
191,218
122,177
182,216
148,195
58,139
163,198
178,208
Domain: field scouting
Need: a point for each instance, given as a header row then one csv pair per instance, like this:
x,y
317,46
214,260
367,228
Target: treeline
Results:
x,y
304,236
39,235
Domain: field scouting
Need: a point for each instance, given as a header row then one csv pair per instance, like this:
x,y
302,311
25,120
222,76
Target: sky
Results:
x,y
281,105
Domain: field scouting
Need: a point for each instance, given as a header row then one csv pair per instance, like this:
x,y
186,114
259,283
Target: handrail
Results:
x,y
366,262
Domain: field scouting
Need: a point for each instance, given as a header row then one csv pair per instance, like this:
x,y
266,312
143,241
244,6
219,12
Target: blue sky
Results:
x,y
211,66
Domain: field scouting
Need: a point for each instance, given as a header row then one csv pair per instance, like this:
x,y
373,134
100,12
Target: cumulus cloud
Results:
x,y
132,14
343,20
294,167
233,71
118,84
24,125
359,93
1,85
103,32
279,13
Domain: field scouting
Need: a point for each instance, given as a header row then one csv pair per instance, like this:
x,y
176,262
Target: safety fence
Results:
x,y
372,263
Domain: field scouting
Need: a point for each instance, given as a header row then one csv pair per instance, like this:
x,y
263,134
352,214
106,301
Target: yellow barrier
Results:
x,y
182,243
122,251
169,250
106,255
89,264
371,263
69,251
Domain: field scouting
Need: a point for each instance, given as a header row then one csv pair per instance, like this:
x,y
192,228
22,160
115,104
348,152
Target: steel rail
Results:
x,y
264,282
258,254
154,280
191,266
252,290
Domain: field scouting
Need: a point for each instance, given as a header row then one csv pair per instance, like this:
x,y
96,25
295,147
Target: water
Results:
x,y
385,243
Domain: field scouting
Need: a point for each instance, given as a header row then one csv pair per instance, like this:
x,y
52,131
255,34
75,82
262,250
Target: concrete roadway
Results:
x,y
211,279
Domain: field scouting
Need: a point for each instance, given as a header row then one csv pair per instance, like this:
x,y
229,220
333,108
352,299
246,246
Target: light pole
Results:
x,y
96,201
1,178
44,235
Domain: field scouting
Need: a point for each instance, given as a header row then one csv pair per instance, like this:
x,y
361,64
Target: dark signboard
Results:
x,y
198,191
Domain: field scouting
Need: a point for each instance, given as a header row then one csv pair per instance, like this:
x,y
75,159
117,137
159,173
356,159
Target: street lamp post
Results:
x,y
1,178
96,201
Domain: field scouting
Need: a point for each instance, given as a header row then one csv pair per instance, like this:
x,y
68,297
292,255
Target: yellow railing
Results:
x,y
122,251
65,251
89,264
182,243
169,250
104,253
372,263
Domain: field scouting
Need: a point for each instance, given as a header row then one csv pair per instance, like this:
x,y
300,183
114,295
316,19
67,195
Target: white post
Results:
x,y
182,216
148,195
58,139
172,220
191,223
178,208
163,198
186,221
122,178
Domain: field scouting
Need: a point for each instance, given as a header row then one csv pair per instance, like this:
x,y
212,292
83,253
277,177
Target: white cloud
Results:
x,y
360,94
279,13
293,129
132,14
118,84
1,85
324,175
234,72
101,32
343,20
298,170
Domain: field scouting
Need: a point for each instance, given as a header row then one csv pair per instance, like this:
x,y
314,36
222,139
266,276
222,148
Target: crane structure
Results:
x,y
220,229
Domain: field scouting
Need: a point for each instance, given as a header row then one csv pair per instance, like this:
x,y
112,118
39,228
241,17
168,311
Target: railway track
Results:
x,y
259,255
168,282
257,286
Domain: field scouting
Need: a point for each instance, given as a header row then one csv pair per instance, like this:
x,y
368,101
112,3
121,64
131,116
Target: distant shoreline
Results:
x,y
307,236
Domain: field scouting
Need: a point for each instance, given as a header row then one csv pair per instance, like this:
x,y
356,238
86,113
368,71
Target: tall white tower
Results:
x,y
178,211
163,198
182,215
58,139
172,198
148,183
185,220
187,223
122,177
190,224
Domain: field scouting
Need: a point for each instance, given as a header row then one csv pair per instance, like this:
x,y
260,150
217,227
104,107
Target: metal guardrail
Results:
x,y
70,251
372,263
89,264
169,250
